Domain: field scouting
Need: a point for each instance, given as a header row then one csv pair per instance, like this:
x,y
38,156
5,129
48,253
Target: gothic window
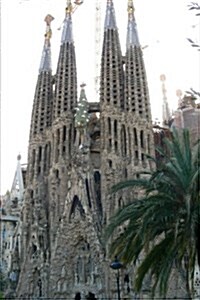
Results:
x,y
91,296
143,158
75,135
88,192
70,139
136,157
57,173
58,137
64,133
77,296
129,141
123,141
97,188
125,173
116,146
115,128
142,138
148,142
109,126
33,162
49,155
79,269
135,136
40,287
57,145
110,163
45,157
76,206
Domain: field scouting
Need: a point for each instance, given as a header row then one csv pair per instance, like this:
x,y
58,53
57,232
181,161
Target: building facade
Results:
x,y
10,229
77,151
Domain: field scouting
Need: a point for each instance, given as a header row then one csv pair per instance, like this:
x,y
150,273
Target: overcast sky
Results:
x,y
163,25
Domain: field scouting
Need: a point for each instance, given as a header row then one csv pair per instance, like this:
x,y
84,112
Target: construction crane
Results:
x,y
97,47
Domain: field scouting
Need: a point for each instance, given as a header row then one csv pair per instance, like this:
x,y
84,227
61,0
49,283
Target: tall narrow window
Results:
x,y
45,157
97,187
70,139
148,143
40,154
109,126
49,155
142,138
39,160
58,136
115,128
123,141
129,142
33,163
64,133
88,192
135,137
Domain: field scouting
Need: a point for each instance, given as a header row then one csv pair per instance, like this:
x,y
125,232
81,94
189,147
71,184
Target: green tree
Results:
x,y
163,224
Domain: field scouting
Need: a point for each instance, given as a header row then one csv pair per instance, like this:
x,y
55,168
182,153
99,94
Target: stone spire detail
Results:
x,y
81,116
66,77
166,115
67,35
136,87
45,64
111,78
132,34
17,188
110,20
42,106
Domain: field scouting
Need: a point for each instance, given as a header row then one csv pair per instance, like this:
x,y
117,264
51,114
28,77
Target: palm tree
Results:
x,y
163,224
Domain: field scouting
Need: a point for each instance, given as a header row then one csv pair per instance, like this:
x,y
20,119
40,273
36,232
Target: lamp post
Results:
x,y
116,265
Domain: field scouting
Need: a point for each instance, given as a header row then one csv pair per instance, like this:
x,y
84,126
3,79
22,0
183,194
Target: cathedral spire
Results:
x,y
66,76
17,189
42,105
45,64
110,20
132,35
136,87
111,78
81,116
67,36
166,117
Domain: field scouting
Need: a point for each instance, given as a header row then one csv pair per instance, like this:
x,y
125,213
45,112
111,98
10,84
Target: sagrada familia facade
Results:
x,y
77,151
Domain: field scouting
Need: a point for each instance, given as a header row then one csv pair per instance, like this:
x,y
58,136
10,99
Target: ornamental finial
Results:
x,y
48,19
69,7
82,85
130,8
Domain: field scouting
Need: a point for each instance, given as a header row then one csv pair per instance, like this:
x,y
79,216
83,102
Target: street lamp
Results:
x,y
116,265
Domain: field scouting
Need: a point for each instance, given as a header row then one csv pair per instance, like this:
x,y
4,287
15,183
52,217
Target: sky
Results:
x,y
163,27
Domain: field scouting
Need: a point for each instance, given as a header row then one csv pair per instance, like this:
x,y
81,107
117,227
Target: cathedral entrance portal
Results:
x,y
91,296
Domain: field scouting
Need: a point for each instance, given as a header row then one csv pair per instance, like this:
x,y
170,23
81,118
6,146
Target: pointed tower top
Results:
x,y
45,64
67,36
110,20
83,97
165,106
17,188
81,116
132,34
69,8
19,156
130,9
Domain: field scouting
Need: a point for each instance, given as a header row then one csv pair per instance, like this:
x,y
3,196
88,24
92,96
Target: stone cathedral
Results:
x,y
77,151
